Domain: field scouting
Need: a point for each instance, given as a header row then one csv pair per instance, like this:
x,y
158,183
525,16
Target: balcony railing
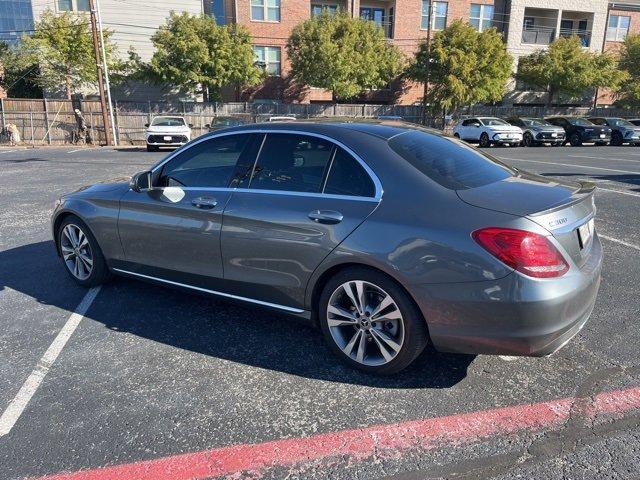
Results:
x,y
546,35
584,35
538,35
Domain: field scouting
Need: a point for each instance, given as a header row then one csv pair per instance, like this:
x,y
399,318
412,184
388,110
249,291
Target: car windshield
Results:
x,y
492,122
620,122
450,162
535,122
168,122
579,121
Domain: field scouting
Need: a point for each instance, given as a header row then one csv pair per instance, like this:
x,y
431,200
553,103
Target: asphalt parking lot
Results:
x,y
159,384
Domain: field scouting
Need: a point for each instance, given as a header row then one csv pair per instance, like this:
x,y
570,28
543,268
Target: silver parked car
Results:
x,y
537,131
385,235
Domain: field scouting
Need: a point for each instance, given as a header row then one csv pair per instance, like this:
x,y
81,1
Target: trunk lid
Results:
x,y
561,207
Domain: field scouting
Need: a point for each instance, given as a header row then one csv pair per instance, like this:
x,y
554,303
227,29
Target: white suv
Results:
x,y
488,131
167,132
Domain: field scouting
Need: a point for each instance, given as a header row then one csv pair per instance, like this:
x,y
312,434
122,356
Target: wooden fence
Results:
x,y
52,122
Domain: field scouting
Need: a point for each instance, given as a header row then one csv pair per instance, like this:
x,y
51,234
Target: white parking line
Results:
x,y
31,385
571,165
603,158
84,149
631,194
621,242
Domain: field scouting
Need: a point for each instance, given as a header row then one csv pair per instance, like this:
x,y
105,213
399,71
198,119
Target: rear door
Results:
x,y
304,196
172,232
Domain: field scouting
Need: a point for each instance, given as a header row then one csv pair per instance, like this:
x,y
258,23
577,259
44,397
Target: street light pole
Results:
x,y
106,75
100,73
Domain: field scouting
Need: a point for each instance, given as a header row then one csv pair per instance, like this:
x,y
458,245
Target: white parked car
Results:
x,y
488,131
282,118
167,132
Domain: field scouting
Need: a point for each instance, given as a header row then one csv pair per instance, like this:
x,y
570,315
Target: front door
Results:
x,y
304,197
172,231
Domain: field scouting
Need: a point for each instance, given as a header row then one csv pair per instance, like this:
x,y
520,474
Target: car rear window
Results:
x,y
450,162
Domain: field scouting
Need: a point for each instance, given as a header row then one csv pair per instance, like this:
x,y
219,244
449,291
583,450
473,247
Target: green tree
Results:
x,y
629,62
462,67
567,68
195,54
342,54
62,46
18,76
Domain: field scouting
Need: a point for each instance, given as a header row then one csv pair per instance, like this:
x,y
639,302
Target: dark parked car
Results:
x,y
386,236
537,131
218,123
580,130
622,131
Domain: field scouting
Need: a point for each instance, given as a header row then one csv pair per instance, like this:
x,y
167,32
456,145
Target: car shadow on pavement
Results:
x,y
627,178
249,335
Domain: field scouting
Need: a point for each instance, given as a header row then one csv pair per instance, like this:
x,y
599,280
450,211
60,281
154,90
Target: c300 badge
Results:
x,y
557,222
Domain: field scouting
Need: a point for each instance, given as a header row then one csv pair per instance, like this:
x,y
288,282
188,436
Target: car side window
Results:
x,y
348,177
295,163
598,121
210,163
470,122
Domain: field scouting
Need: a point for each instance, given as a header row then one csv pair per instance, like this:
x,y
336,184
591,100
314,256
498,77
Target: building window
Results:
x,y
317,9
269,58
439,15
268,10
481,16
83,5
65,5
618,28
376,15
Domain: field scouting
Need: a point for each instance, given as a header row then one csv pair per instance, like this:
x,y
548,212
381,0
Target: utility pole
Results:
x,y
428,66
106,75
100,72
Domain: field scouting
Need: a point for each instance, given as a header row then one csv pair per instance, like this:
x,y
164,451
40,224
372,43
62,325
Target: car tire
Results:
x,y
616,139
575,140
83,260
528,140
484,140
402,338
152,148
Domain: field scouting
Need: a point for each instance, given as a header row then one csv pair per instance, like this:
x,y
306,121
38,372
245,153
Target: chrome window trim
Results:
x,y
376,181
213,292
276,192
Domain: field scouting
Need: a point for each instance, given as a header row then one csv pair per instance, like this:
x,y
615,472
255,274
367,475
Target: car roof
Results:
x,y
378,128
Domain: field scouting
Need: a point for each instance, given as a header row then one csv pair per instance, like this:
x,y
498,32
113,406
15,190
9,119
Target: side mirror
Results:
x,y
146,125
140,182
207,125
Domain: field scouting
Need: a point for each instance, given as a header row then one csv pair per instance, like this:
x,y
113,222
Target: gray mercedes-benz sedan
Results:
x,y
386,236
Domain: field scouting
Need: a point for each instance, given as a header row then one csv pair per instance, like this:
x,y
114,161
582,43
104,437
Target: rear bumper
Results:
x,y
514,315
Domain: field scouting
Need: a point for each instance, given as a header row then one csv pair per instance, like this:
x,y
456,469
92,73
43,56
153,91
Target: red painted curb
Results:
x,y
362,443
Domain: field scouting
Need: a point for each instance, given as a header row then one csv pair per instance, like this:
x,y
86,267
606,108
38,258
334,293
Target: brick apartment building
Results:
x,y
526,26
405,23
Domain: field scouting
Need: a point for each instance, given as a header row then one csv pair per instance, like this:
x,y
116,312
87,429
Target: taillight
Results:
x,y
527,252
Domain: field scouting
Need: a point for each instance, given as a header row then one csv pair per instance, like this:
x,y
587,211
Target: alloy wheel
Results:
x,y
76,251
484,140
365,322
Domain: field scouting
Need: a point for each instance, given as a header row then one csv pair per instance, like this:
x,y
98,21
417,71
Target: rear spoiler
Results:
x,y
586,190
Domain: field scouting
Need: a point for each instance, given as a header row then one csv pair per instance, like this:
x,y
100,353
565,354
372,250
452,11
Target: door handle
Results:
x,y
326,216
204,202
